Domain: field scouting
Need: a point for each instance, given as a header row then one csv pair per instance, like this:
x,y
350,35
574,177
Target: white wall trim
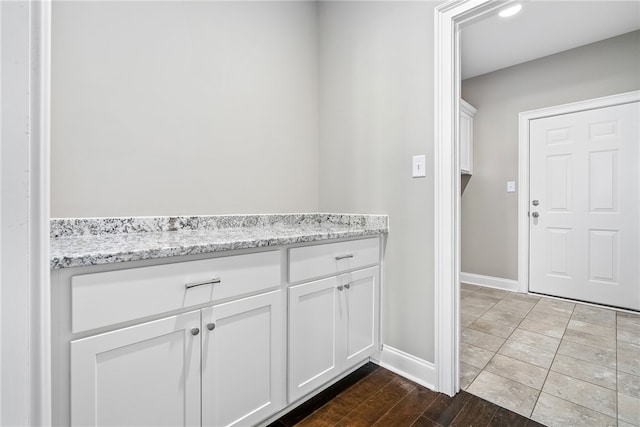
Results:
x,y
24,214
41,411
524,119
489,281
409,366
447,79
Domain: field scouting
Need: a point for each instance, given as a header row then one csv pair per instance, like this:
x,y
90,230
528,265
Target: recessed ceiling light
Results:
x,y
510,11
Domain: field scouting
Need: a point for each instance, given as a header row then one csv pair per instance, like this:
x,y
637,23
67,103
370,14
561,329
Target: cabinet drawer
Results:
x,y
103,299
309,262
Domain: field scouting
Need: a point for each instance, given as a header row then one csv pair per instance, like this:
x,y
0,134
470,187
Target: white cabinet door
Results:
x,y
312,336
145,375
585,193
359,318
333,326
243,360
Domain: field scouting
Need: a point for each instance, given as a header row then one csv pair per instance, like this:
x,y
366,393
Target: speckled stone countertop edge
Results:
x,y
70,227
86,249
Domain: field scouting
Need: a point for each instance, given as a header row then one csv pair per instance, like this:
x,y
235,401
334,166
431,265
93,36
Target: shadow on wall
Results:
x,y
464,181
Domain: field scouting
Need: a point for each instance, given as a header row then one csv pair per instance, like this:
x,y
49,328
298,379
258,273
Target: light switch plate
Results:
x,y
419,166
511,186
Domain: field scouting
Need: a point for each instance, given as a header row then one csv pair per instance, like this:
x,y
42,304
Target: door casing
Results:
x,y
447,80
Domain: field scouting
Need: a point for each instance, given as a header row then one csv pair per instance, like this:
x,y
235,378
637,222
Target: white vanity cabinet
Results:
x,y
333,322
211,341
220,363
467,111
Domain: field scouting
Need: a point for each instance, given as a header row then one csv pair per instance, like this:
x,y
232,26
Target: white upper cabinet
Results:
x,y
467,111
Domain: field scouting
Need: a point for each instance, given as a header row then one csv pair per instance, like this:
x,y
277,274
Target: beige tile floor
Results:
x,y
557,362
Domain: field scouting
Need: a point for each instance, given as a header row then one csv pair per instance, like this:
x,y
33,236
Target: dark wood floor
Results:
x,y
374,396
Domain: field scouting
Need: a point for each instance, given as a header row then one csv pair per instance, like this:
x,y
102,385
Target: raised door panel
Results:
x,y
145,375
243,360
359,319
312,336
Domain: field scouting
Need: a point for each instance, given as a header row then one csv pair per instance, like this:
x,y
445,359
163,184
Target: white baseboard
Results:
x,y
409,366
491,282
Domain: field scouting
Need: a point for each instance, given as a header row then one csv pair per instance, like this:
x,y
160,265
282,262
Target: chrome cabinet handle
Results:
x,y
347,286
206,282
339,257
211,326
340,287
535,214
535,202
195,331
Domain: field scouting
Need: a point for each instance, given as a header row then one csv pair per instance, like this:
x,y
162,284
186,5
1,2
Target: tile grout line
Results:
x,y
548,369
505,341
588,382
561,340
479,288
552,360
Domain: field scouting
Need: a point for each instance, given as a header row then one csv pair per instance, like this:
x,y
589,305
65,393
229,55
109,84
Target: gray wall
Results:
x,y
163,108
376,111
489,213
263,107
216,107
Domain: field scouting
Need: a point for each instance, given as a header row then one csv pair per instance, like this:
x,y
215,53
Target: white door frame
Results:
x,y
447,77
525,118
25,321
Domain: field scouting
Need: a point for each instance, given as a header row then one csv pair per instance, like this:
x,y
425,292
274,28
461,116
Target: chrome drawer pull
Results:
x,y
206,282
338,258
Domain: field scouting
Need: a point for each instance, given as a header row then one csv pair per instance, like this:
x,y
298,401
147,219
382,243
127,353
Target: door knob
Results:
x,y
211,326
535,202
195,331
535,214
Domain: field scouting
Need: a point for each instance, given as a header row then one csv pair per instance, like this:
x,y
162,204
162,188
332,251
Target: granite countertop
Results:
x,y
93,241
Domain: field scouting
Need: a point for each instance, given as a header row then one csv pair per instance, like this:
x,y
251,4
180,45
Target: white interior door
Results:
x,y
584,198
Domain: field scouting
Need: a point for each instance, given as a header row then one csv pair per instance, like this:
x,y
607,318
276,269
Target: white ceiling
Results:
x,y
543,27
